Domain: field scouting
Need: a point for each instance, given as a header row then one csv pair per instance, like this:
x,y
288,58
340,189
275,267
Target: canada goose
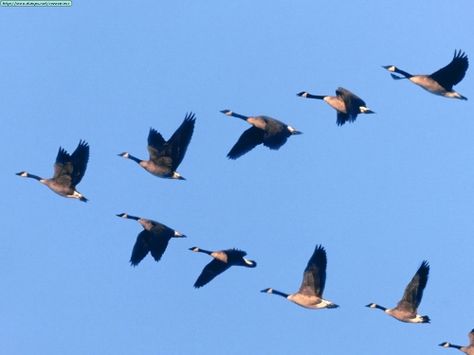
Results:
x,y
68,172
441,82
222,260
347,105
153,238
310,294
165,156
267,130
469,350
406,309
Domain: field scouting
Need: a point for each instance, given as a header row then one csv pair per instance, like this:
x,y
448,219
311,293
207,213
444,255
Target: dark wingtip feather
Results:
x,y
190,116
425,265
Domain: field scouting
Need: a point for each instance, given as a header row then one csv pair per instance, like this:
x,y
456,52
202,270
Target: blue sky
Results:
x,y
381,194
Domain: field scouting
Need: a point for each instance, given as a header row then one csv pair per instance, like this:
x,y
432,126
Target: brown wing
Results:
x,y
156,143
63,168
314,277
414,291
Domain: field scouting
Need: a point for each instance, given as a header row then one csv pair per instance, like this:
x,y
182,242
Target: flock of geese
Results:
x,y
165,156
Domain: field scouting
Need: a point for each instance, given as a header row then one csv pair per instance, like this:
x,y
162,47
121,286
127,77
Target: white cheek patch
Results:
x,y
363,109
178,234
248,262
391,68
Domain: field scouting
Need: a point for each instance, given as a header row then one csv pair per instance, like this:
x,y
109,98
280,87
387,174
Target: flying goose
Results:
x,y
165,156
440,82
68,172
267,130
406,309
469,350
153,238
222,260
310,294
347,105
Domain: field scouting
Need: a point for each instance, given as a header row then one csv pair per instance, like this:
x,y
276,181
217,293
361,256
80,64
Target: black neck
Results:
x,y
404,73
279,293
204,251
318,97
135,159
377,306
124,215
36,177
455,346
234,114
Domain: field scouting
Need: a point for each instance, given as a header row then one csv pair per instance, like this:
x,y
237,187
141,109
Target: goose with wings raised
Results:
x,y
406,309
69,169
440,82
165,156
310,294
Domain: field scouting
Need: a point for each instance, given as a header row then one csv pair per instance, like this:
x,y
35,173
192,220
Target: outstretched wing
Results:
x,y
414,291
79,160
452,73
314,277
210,271
179,141
247,141
141,247
158,244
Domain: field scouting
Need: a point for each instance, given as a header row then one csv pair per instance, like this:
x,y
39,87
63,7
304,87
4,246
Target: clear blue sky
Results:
x,y
381,194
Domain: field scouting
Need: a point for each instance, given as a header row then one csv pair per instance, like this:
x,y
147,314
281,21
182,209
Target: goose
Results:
x,y
153,238
406,309
310,294
440,82
267,130
347,104
165,156
469,350
69,169
222,260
